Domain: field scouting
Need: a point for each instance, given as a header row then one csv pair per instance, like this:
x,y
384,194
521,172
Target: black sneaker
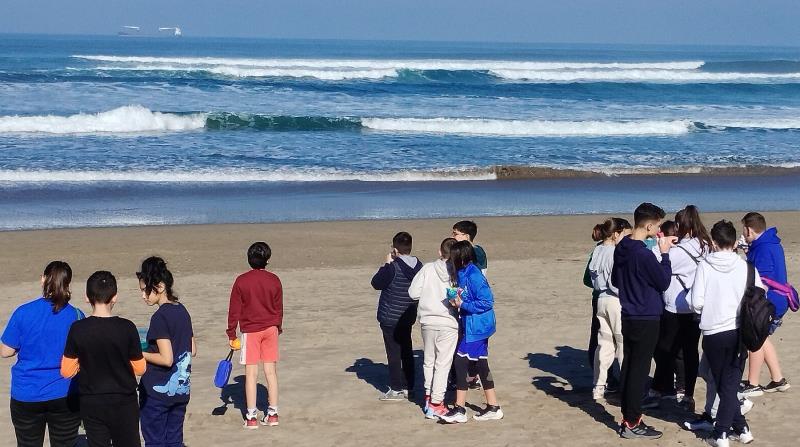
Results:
x,y
781,386
748,390
475,384
457,415
640,431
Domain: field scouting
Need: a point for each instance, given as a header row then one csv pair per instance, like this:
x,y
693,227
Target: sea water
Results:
x,y
98,131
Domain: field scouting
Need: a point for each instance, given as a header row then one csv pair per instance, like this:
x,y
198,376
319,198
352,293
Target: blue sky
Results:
x,y
747,22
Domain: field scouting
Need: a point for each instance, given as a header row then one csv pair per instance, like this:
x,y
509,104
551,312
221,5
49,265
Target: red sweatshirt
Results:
x,y
256,302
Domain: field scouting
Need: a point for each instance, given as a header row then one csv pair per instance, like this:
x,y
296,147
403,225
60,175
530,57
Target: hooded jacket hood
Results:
x,y
408,265
770,236
442,270
723,261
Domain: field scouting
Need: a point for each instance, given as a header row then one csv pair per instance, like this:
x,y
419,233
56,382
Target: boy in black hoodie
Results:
x,y
641,279
397,313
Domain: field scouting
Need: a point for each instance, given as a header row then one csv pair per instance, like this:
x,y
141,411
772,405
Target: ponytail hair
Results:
x,y
154,272
55,288
608,228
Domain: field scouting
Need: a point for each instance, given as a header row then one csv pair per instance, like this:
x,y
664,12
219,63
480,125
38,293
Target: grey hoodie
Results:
x,y
430,288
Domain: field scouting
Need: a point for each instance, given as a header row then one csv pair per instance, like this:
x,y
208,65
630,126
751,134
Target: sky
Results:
x,y
699,22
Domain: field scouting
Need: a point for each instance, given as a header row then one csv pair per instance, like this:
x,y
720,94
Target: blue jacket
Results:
x,y
641,280
477,307
766,254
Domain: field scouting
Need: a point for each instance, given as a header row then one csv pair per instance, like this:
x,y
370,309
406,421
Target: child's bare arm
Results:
x,y
164,355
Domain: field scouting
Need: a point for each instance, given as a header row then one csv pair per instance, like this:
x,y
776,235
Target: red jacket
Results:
x,y
256,303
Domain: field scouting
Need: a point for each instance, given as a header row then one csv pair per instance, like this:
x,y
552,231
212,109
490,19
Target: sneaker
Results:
x,y
640,431
703,423
250,423
437,410
475,384
748,390
718,442
745,437
490,413
393,396
458,415
270,420
427,402
781,386
746,405
598,392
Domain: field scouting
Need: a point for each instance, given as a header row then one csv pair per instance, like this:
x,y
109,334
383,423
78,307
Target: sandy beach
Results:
x,y
333,361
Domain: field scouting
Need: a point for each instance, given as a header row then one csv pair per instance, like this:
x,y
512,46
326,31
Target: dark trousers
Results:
x,y
593,331
61,417
399,356
640,338
726,362
111,419
162,421
678,333
464,367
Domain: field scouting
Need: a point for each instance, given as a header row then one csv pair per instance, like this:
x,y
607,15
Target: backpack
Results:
x,y
696,260
784,289
756,315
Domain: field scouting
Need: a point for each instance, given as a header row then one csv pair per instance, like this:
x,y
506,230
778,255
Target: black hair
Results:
x,y
154,272
755,221
467,227
461,255
101,287
258,255
446,246
690,225
402,242
669,228
724,234
608,228
57,276
647,212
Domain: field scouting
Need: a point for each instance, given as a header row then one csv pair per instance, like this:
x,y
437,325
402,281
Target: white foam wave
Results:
x,y
127,119
638,75
518,128
775,124
392,64
236,176
245,72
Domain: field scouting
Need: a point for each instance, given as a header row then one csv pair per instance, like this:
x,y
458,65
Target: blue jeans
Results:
x,y
161,421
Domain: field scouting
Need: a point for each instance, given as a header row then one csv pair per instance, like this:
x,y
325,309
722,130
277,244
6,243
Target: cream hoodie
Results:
x,y
430,288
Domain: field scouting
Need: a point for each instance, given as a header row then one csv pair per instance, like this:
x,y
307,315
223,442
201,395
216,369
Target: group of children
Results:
x,y
72,368
657,287
454,303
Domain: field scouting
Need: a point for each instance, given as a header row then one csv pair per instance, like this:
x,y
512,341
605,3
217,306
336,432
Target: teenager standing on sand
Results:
x,y
641,279
36,333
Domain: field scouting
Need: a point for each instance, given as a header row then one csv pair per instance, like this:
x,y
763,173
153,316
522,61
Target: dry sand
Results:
x,y
333,363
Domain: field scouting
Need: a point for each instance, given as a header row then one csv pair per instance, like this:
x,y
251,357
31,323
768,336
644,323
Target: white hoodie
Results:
x,y
430,288
718,290
684,267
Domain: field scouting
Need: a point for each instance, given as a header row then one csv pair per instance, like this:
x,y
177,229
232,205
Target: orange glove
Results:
x,y
235,344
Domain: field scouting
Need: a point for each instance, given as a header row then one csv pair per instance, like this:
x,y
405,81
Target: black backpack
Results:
x,y
756,315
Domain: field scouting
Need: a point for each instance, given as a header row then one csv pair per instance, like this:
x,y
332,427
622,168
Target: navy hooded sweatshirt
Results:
x,y
766,254
641,280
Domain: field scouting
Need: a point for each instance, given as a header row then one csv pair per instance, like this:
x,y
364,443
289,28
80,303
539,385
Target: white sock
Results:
x,y
252,413
272,410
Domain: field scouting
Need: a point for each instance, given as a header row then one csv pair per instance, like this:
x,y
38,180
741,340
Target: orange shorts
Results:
x,y
260,347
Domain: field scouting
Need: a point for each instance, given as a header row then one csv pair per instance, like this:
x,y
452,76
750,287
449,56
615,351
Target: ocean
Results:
x,y
112,131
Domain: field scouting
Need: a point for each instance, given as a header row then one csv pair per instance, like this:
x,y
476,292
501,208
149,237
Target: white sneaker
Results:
x,y
490,413
745,437
718,442
599,392
746,405
457,415
394,396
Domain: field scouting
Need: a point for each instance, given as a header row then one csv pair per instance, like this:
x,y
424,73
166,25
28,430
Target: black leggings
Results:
x,y
677,333
462,367
60,416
